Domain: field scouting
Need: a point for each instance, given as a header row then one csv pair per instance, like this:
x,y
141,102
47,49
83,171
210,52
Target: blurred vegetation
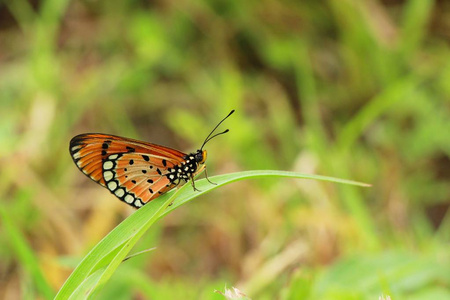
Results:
x,y
352,89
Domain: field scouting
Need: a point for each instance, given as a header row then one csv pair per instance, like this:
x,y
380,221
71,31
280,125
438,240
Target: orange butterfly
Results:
x,y
136,172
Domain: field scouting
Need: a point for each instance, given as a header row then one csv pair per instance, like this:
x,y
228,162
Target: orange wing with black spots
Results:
x,y
134,171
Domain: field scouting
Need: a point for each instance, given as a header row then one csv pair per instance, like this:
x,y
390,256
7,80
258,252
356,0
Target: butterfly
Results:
x,y
136,172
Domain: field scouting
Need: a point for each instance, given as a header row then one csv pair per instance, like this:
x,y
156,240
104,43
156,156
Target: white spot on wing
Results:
x,y
76,155
138,203
114,156
75,148
112,185
129,199
108,175
107,165
119,192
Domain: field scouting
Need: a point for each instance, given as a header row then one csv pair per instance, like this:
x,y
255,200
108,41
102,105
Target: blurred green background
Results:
x,y
353,89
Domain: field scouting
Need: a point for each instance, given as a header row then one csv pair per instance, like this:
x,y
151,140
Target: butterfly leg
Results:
x,y
206,175
193,184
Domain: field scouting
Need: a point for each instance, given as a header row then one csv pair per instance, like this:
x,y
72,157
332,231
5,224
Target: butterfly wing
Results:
x,y
132,170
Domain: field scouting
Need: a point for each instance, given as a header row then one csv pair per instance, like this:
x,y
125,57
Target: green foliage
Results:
x,y
350,89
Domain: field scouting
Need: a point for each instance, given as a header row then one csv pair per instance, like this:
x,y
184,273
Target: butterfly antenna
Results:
x,y
209,137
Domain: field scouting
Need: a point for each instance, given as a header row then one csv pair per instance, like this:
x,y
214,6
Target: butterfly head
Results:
x,y
200,156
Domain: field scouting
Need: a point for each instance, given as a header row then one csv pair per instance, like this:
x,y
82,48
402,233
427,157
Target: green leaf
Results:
x,y
89,276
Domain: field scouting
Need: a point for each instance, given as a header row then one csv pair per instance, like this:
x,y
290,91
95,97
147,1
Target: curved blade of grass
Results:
x,y
83,290
204,186
110,248
139,253
122,238
105,260
118,259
